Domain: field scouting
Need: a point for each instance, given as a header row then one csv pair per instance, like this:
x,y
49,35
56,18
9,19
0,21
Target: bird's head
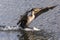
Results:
x,y
35,10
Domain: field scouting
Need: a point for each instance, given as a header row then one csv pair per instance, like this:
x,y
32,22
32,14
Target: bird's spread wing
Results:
x,y
44,10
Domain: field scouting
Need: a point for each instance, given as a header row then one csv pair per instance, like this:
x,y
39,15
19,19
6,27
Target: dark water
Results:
x,y
38,35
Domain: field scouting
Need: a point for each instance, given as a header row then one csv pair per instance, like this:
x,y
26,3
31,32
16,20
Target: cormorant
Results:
x,y
35,12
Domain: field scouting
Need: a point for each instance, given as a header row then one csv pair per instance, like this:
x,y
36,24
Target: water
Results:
x,y
10,11
38,35
8,35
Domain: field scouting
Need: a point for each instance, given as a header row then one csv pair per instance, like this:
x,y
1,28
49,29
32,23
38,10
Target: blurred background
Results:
x,y
10,11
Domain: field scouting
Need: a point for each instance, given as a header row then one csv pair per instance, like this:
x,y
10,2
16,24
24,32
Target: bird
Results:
x,y
25,20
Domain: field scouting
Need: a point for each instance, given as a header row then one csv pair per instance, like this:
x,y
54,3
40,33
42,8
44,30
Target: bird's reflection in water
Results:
x,y
37,35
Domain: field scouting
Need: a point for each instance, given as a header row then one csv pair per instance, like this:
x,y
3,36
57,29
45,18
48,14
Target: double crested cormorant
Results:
x,y
35,12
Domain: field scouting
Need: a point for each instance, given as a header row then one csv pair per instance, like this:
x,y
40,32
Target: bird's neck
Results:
x,y
32,14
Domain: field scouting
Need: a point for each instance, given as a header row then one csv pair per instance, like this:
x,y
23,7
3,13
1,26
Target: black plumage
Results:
x,y
24,20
